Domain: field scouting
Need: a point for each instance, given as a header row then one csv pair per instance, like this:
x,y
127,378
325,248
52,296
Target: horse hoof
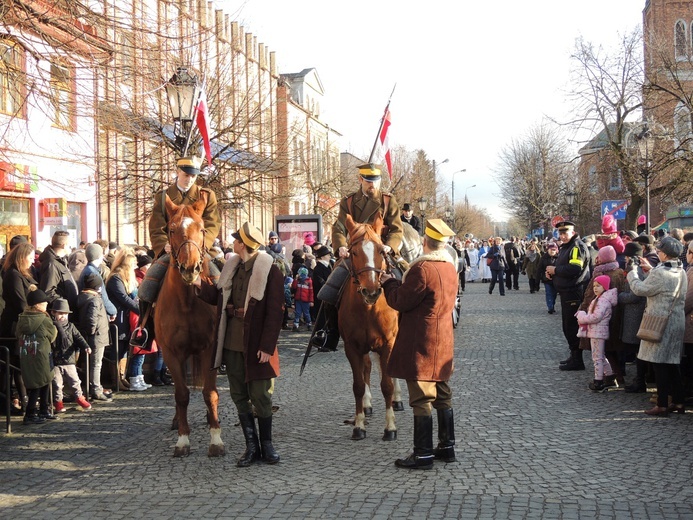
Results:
x,y
216,450
368,412
397,406
358,435
181,451
390,435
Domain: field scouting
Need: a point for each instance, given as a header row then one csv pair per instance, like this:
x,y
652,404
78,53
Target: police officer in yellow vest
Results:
x,y
183,191
363,206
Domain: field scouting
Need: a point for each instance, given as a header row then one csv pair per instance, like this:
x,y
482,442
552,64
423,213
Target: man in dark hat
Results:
x,y
570,276
363,206
409,217
250,294
423,351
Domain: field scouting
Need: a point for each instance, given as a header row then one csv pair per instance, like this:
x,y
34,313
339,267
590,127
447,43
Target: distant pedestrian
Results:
x,y
302,288
547,259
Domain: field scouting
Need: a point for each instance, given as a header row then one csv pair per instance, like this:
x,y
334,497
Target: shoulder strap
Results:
x,y
348,201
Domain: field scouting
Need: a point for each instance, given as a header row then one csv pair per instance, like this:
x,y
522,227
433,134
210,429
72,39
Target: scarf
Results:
x,y
604,268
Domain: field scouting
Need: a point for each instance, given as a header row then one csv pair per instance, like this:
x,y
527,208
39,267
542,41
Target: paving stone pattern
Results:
x,y
532,442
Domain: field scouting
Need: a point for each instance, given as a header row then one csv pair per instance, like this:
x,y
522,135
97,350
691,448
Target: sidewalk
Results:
x,y
532,442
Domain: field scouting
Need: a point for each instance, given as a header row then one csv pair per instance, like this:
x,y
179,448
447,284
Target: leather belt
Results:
x,y
233,312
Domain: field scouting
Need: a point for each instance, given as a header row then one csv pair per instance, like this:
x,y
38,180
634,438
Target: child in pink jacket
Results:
x,y
597,321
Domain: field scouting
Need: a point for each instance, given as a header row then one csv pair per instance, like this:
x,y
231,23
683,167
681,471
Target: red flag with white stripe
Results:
x,y
202,120
384,141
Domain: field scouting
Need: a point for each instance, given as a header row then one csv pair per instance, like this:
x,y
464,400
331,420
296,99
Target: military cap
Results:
x,y
438,230
566,225
189,164
249,235
369,172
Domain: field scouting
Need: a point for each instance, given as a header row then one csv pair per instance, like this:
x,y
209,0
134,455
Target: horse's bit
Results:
x,y
202,250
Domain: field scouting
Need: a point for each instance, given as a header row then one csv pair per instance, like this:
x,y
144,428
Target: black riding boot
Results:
x,y
422,458
575,363
269,455
252,446
446,436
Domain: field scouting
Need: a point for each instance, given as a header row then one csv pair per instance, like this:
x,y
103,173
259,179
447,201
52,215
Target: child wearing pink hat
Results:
x,y
596,320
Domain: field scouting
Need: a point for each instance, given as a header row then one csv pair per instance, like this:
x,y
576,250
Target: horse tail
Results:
x,y
196,371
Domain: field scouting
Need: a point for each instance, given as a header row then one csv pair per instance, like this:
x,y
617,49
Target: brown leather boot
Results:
x,y
122,364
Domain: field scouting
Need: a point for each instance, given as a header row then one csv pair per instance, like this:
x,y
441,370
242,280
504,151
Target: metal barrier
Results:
x,y
7,385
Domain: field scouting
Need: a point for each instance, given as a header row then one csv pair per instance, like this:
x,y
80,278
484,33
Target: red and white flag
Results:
x,y
202,120
384,141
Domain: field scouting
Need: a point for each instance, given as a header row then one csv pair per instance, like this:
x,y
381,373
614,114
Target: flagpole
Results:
x,y
382,122
197,101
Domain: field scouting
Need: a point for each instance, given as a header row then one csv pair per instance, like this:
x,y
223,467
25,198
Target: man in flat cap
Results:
x,y
423,351
570,276
249,297
409,217
363,207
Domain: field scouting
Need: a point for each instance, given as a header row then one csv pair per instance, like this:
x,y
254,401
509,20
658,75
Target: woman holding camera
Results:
x,y
665,288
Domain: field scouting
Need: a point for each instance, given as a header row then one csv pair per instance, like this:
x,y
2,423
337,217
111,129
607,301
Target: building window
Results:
x,y
592,179
683,127
680,40
11,85
615,180
62,95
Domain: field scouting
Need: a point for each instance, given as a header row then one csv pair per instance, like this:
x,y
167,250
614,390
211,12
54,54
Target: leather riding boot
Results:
x,y
575,363
446,436
422,458
269,455
252,446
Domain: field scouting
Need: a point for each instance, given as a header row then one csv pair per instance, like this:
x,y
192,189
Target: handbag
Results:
x,y
489,260
652,326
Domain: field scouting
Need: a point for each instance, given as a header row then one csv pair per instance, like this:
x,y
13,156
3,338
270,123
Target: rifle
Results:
x,y
313,334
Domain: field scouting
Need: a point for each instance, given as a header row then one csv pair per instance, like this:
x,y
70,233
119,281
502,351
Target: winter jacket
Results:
x,y
68,343
573,265
124,304
320,275
303,290
618,282
92,269
35,333
688,307
56,279
498,258
614,241
424,347
598,315
15,288
531,266
93,320
633,307
660,288
546,260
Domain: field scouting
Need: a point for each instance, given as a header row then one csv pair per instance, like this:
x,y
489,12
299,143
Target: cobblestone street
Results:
x,y
532,442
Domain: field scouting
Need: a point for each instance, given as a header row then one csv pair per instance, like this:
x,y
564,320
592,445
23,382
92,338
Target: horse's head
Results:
x,y
186,235
367,257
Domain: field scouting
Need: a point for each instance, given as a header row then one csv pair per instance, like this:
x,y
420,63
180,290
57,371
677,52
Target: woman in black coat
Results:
x,y
17,281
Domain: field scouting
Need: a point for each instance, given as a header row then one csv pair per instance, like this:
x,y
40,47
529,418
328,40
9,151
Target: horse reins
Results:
x,y
202,250
354,274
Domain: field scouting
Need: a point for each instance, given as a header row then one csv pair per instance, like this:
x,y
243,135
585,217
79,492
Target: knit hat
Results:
x,y
309,238
302,273
604,281
143,260
273,234
92,281
633,249
670,247
36,297
631,234
16,240
606,254
93,252
276,248
609,224
642,219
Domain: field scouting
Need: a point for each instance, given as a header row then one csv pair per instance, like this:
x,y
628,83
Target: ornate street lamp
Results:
x,y
423,204
570,199
183,92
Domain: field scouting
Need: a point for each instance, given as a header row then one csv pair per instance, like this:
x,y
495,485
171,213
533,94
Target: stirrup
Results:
x,y
140,338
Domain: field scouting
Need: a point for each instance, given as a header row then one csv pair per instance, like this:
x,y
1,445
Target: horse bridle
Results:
x,y
202,250
355,274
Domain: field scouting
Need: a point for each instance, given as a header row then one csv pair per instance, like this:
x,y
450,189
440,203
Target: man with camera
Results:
x,y
570,275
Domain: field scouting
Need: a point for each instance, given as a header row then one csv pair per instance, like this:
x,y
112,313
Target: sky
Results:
x,y
470,77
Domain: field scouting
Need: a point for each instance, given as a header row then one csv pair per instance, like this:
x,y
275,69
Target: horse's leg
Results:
x,y
182,394
387,388
211,397
367,396
357,360
397,403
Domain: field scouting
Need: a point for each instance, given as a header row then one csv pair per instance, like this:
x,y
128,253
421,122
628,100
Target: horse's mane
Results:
x,y
361,232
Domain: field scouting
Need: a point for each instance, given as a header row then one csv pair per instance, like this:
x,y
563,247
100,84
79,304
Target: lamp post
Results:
x,y
453,184
423,204
182,91
448,215
646,142
570,198
435,176
466,200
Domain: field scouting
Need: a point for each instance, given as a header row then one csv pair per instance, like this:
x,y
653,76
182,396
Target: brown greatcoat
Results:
x,y
263,318
424,347
158,225
363,211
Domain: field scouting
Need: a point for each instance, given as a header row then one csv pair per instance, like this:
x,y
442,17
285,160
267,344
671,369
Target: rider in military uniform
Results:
x,y
183,191
363,207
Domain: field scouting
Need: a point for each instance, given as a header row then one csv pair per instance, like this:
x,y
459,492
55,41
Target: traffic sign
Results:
x,y
615,208
555,220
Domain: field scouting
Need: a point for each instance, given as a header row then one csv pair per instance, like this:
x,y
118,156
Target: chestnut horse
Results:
x,y
184,324
366,322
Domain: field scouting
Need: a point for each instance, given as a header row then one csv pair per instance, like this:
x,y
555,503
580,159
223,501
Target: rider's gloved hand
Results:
x,y
387,249
343,252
